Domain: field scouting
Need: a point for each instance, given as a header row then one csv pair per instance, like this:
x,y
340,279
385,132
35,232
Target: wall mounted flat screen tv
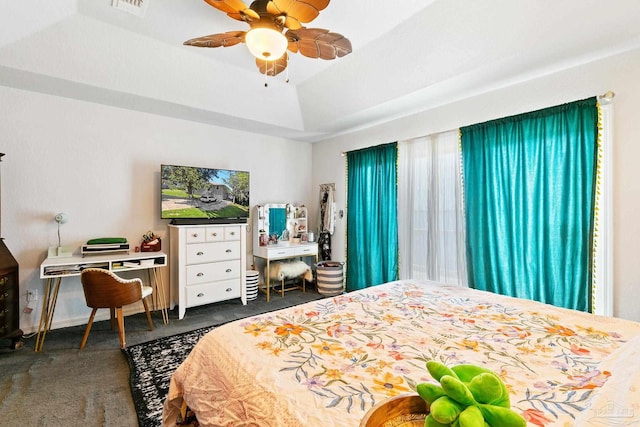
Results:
x,y
193,195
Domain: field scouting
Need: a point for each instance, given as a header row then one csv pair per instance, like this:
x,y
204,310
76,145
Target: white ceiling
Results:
x,y
408,56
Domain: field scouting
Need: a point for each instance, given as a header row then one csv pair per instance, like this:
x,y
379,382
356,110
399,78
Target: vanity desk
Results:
x,y
280,233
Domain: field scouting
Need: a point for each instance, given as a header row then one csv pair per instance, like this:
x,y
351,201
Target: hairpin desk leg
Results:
x,y
48,307
159,285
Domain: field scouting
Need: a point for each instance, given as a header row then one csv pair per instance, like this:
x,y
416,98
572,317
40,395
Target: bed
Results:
x,y
329,361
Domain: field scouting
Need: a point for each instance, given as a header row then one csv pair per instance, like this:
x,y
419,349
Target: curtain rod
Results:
x,y
607,97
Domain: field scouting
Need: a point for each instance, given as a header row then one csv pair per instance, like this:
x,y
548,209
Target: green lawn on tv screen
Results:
x,y
230,211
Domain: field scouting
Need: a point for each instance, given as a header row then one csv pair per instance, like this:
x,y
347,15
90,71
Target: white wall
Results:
x,y
101,166
618,74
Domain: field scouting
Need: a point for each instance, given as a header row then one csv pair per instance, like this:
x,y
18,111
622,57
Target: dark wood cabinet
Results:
x,y
9,302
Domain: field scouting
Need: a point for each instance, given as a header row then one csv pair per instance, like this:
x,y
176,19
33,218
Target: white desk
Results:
x,y
53,270
281,251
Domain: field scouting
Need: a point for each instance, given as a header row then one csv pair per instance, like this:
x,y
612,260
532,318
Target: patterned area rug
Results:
x,y
152,364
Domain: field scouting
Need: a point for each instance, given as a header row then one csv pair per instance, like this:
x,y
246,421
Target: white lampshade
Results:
x,y
266,43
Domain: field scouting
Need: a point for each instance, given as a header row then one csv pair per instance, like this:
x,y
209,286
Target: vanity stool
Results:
x,y
290,270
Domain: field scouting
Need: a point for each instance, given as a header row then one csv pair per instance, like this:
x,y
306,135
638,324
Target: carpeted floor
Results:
x,y
65,386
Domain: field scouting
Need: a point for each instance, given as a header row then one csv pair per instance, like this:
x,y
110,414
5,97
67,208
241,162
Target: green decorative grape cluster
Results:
x,y
468,396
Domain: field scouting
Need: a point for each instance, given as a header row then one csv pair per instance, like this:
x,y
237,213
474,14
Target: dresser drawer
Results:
x,y
201,253
8,304
284,252
6,315
307,250
195,235
214,234
222,270
7,296
212,292
232,233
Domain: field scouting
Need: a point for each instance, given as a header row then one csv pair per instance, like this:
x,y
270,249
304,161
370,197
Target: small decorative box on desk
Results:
x,y
152,246
150,242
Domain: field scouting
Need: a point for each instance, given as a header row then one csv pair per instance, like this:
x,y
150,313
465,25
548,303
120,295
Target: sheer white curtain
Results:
x,y
431,229
602,267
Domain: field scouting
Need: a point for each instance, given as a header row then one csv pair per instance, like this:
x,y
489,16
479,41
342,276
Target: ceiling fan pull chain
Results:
x,y
266,73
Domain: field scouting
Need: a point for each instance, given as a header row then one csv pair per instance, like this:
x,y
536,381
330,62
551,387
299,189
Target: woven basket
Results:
x,y
407,410
329,277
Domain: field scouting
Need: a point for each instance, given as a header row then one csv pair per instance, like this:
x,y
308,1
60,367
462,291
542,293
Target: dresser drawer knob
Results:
x,y
195,234
228,251
214,234
200,253
200,274
229,289
233,233
229,270
200,295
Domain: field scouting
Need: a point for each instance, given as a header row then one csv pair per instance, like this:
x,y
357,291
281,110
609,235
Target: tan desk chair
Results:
x,y
103,289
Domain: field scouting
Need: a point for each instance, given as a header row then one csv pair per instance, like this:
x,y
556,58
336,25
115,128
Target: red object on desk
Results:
x,y
154,245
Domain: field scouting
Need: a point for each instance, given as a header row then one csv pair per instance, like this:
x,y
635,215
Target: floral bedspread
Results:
x,y
328,362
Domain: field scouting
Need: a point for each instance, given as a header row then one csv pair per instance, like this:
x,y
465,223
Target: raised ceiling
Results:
x,y
408,56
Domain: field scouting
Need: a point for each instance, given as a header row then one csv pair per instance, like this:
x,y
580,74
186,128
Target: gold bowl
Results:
x,y
406,410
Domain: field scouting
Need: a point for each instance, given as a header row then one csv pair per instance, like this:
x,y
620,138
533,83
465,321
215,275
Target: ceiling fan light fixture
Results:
x,y
266,43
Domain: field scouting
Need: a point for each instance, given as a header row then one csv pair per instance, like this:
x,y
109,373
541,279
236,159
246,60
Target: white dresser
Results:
x,y
207,264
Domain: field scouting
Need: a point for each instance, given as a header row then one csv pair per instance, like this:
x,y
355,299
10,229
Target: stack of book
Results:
x,y
105,245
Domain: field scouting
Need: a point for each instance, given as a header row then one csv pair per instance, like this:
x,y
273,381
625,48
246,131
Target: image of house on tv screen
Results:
x,y
200,193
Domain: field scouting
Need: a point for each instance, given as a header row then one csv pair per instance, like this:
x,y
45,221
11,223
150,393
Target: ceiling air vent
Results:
x,y
134,7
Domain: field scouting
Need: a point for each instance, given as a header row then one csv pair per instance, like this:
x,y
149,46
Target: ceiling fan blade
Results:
x,y
296,11
236,9
230,38
272,68
292,23
318,43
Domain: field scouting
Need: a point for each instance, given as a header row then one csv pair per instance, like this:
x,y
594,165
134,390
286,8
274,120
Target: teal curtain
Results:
x,y
372,220
529,193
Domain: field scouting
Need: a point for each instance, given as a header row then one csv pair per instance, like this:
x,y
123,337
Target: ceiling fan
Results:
x,y
265,39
